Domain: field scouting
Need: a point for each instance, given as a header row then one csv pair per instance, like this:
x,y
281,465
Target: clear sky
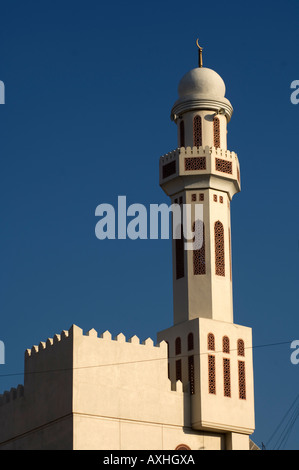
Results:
x,y
88,91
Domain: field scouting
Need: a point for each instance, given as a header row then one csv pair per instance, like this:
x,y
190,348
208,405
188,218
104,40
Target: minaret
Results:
x,y
208,352
202,171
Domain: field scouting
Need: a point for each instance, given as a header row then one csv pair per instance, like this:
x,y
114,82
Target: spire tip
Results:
x,y
199,54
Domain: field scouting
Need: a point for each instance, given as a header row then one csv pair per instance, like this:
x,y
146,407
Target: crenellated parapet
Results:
x,y
75,331
201,168
58,354
12,394
206,150
49,343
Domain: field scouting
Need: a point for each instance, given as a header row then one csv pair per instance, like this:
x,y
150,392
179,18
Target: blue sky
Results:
x,y
89,88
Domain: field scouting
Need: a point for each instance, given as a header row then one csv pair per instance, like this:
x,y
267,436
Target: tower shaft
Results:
x,y
208,352
207,175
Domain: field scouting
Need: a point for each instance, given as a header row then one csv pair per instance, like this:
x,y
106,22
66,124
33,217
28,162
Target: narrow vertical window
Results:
x,y
190,342
219,249
212,374
199,256
178,347
197,132
211,342
216,126
242,383
226,377
178,369
240,347
225,344
179,255
182,134
191,374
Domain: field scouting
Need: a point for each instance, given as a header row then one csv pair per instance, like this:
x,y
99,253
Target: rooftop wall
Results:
x,y
125,379
89,375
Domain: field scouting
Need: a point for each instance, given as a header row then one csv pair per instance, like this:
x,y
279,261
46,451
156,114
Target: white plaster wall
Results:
x,y
112,434
217,411
207,117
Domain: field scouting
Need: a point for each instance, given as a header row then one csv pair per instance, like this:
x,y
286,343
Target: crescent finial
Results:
x,y
198,44
199,54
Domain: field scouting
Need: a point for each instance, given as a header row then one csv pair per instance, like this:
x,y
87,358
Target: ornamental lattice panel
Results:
x,y
219,249
197,132
212,374
224,166
169,169
191,374
216,128
195,163
199,256
178,369
242,382
226,377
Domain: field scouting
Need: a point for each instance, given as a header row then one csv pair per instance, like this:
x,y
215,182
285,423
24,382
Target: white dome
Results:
x,y
201,88
202,82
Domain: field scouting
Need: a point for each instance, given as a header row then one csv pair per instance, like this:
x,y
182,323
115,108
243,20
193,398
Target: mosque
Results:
x,y
193,388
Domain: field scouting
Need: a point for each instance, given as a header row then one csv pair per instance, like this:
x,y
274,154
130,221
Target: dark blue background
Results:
x,y
89,88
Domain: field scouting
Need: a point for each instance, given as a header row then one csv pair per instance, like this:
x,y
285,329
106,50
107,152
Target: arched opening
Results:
x,y
178,346
240,347
225,344
190,342
211,342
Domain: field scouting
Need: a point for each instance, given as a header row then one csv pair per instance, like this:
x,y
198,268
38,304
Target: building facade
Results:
x,y
193,389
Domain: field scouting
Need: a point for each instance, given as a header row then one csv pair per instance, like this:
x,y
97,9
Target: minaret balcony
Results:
x,y
200,168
